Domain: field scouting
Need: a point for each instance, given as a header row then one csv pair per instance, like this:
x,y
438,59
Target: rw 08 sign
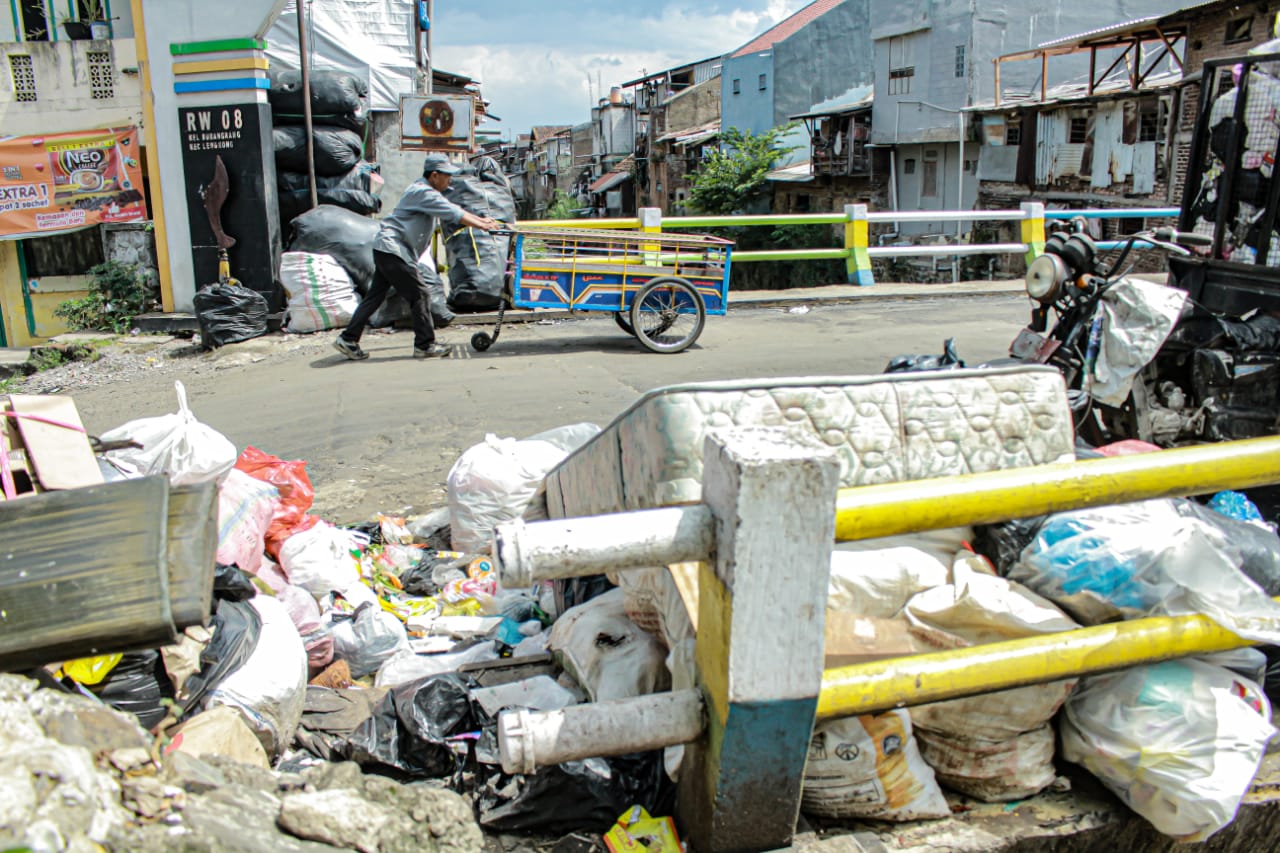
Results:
x,y
68,181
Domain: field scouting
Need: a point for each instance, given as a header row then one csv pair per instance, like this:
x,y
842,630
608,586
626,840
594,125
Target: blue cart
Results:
x,y
659,287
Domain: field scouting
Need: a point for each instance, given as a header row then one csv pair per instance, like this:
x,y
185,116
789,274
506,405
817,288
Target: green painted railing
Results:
x,y
857,252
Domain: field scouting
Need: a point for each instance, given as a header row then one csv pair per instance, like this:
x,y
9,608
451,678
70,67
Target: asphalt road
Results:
x,y
382,434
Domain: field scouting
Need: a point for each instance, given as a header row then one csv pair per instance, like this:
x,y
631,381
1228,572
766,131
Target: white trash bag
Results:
x,y
320,292
607,653
270,688
319,559
367,638
501,479
177,445
1179,742
870,767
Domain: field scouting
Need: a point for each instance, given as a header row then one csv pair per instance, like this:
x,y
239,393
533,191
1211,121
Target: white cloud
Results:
x,y
539,63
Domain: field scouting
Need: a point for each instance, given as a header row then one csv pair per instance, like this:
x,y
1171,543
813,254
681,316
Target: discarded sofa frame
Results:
x,y
760,655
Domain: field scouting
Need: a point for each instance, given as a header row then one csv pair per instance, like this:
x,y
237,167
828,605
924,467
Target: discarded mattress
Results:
x,y
885,428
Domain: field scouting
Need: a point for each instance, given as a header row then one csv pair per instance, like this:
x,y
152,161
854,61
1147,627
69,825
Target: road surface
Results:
x,y
380,435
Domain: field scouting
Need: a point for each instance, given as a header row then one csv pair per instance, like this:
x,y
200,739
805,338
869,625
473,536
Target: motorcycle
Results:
x,y
1143,360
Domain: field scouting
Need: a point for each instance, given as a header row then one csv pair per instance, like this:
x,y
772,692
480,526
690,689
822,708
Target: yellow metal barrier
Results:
x,y
880,685
869,512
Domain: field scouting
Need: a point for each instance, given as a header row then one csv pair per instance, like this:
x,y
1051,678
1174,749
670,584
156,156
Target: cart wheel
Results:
x,y
620,317
668,315
481,341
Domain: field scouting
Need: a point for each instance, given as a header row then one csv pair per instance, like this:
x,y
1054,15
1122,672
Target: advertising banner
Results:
x,y
68,181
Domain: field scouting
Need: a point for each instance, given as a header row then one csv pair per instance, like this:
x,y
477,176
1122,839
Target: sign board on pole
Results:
x,y
68,181
437,123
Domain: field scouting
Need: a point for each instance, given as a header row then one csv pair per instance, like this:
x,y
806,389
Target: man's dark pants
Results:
x,y
392,271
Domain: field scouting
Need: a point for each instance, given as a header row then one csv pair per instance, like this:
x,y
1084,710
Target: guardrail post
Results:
x,y
1033,229
762,608
856,239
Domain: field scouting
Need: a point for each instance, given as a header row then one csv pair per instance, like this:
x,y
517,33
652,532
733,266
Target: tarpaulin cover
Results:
x,y
68,181
371,38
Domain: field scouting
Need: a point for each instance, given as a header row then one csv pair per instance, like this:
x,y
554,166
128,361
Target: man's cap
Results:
x,y
438,163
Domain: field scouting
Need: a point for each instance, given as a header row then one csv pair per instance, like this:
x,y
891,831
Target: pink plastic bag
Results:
x,y
245,507
305,613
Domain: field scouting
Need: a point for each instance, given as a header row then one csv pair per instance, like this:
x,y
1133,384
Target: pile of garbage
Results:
x,y
336,659
1179,742
339,115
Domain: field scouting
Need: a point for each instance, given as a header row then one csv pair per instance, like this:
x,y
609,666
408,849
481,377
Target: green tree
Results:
x,y
735,175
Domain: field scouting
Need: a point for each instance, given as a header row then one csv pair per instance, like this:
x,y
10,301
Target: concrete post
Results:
x,y
1033,229
759,648
856,240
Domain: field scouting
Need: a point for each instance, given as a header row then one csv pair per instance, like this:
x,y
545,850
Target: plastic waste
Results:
x,y
607,653
876,577
296,494
500,479
338,98
177,445
404,666
269,688
948,360
137,685
1238,506
637,832
232,584
345,236
320,293
366,638
228,314
870,767
320,559
1147,558
477,259
336,149
1179,742
245,509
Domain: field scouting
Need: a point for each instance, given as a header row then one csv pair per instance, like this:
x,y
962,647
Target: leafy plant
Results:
x,y
563,206
118,292
11,384
736,174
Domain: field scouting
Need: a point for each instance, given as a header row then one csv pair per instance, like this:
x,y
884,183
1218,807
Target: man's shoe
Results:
x,y
433,351
349,349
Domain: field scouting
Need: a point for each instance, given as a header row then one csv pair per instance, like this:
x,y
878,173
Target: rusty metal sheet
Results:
x,y
192,552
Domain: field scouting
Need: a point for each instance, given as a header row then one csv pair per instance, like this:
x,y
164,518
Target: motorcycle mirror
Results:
x,y
1045,277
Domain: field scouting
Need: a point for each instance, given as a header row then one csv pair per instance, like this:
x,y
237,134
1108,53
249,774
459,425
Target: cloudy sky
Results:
x,y
535,57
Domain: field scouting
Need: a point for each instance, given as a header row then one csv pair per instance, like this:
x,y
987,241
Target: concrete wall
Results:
x,y
830,56
166,23
399,168
65,102
694,107
750,109
947,165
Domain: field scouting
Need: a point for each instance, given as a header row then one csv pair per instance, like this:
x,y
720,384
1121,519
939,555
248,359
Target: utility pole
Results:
x,y
423,16
304,60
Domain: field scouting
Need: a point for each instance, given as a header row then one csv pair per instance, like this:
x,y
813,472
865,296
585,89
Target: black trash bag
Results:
x,y
574,591
228,313
336,150
438,301
949,360
1004,543
236,627
1271,684
337,98
342,235
355,178
330,717
294,203
1255,550
409,728
230,583
583,796
137,685
477,259
418,579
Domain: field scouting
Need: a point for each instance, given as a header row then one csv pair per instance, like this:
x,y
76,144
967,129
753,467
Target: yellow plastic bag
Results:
x,y
637,831
91,670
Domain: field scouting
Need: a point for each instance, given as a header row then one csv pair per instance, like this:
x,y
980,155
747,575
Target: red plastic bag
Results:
x,y
296,494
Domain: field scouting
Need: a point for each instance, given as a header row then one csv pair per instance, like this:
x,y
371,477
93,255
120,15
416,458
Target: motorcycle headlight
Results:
x,y
1045,278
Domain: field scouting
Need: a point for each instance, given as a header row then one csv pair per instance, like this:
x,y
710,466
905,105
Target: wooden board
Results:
x,y
62,457
84,572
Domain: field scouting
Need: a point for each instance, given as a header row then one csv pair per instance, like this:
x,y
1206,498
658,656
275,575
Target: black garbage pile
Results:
x,y
478,259
339,117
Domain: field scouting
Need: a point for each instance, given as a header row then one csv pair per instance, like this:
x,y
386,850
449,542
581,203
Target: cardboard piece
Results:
x,y
219,731
50,457
854,639
637,832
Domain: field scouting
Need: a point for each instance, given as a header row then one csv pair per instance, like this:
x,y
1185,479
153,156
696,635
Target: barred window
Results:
x,y
24,78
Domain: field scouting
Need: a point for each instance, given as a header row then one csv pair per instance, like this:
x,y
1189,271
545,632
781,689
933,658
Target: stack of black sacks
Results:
x,y
339,115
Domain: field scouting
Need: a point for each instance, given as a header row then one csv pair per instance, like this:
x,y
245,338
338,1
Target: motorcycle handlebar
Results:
x,y
1185,238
